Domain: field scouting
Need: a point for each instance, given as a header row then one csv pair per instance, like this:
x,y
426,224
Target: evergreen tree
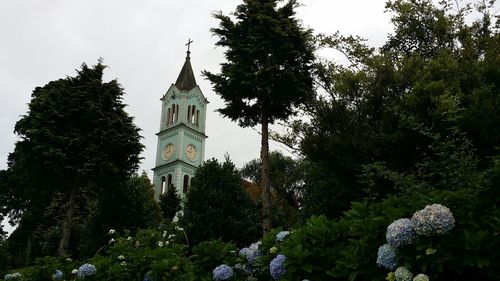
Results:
x,y
76,144
170,203
267,73
217,206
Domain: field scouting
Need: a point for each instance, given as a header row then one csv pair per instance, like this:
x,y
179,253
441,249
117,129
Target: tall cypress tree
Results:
x,y
267,72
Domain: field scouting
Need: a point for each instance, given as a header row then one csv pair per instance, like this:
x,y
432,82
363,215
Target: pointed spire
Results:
x,y
186,80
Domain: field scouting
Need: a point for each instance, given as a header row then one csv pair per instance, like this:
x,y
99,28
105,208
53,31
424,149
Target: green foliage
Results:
x,y
286,177
218,207
207,255
69,170
170,203
429,85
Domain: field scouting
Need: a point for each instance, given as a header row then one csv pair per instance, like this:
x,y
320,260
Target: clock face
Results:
x,y
168,151
191,152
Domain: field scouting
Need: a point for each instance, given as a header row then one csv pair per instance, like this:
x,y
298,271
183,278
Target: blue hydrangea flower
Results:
x,y
57,275
222,272
421,277
86,270
251,253
243,268
434,219
403,274
386,257
13,276
281,235
244,252
277,267
400,233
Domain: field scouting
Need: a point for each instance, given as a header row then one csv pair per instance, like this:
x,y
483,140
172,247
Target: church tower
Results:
x,y
181,139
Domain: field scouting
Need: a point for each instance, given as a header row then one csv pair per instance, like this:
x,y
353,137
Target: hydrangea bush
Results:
x,y
434,219
421,277
86,270
386,256
400,233
403,274
13,276
222,272
281,235
277,267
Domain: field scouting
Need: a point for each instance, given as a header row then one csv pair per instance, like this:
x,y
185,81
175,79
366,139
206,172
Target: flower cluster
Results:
x,y
434,219
281,235
386,256
222,272
421,277
403,274
13,276
57,275
86,270
147,278
273,250
277,267
251,253
400,233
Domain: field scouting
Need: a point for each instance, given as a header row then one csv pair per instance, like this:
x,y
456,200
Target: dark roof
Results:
x,y
186,80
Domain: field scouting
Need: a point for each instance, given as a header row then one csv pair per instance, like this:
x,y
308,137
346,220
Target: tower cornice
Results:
x,y
181,125
173,163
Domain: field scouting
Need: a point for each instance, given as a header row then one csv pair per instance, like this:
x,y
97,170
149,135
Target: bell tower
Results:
x,y
181,139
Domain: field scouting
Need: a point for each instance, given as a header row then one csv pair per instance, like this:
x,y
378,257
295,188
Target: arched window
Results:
x,y
172,116
189,113
193,115
176,113
197,117
169,181
185,185
169,116
163,185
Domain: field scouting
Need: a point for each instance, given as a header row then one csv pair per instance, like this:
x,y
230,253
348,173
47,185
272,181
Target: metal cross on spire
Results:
x,y
189,44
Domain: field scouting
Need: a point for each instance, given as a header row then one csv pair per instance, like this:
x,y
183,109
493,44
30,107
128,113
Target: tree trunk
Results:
x,y
67,225
28,251
265,182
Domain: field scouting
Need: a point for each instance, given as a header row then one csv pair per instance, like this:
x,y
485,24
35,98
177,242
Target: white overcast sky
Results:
x,y
142,42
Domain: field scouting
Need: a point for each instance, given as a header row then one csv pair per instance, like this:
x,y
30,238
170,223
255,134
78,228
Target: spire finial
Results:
x,y
188,44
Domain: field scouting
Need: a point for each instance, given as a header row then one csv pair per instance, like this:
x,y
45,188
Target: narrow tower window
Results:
x,y
192,119
197,117
173,114
189,113
185,185
169,181
163,185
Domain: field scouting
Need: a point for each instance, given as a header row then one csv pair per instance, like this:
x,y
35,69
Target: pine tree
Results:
x,y
267,72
